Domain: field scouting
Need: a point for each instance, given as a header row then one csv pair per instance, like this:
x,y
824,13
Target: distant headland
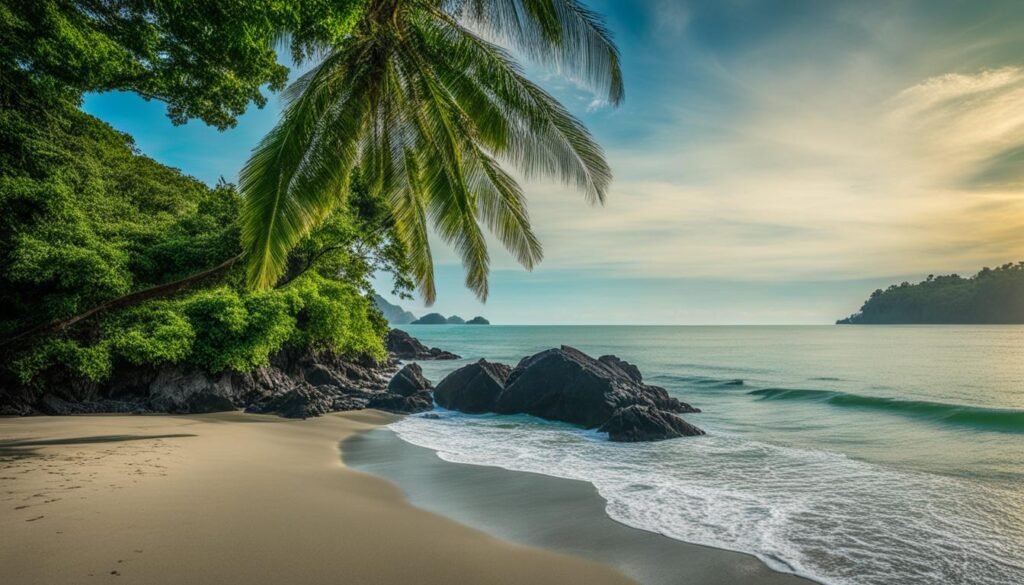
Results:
x,y
992,296
396,315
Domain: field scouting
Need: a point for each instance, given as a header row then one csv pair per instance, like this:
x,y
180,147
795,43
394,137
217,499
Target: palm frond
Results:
x,y
564,33
286,184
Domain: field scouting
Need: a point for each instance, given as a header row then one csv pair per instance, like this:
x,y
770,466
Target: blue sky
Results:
x,y
775,161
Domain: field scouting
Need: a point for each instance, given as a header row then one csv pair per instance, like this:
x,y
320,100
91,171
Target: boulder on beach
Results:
x,y
409,380
302,401
568,385
644,423
474,388
565,384
179,390
418,402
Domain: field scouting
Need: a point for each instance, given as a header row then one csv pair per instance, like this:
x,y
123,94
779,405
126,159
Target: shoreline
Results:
x,y
232,498
562,515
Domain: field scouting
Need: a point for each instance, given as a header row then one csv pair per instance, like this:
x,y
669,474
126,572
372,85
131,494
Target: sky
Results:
x,y
775,161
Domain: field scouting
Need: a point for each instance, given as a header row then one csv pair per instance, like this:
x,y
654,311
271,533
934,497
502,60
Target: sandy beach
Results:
x,y
231,498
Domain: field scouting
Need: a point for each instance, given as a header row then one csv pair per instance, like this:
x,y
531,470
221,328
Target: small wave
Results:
x,y
994,419
702,381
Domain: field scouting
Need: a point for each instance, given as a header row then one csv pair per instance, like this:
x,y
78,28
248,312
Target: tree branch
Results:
x,y
148,294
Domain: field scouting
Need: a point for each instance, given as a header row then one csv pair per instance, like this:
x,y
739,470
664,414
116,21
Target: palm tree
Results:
x,y
424,103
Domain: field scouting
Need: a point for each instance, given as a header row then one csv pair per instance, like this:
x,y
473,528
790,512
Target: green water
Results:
x,y
849,454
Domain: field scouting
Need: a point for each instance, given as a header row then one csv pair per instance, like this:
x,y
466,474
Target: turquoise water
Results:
x,y
847,454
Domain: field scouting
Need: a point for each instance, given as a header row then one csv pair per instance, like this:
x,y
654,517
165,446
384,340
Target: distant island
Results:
x,y
439,319
396,315
992,296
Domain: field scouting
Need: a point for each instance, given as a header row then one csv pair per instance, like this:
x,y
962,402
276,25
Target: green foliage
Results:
x,y
85,219
150,334
991,296
206,60
91,362
423,108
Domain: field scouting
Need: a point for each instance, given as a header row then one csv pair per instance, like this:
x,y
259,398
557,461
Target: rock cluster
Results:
x,y
406,347
294,384
567,385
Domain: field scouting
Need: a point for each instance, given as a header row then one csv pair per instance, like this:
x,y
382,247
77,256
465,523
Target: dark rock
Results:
x,y
320,375
478,321
348,402
57,406
418,402
182,391
646,423
431,416
16,410
404,346
303,401
474,388
409,380
568,385
622,367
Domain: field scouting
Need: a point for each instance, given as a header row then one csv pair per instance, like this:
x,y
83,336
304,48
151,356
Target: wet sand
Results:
x,y
561,515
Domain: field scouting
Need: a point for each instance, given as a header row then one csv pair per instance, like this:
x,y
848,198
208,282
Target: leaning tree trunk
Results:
x,y
154,292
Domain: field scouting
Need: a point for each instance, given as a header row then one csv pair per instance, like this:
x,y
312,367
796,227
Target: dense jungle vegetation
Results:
x,y
993,295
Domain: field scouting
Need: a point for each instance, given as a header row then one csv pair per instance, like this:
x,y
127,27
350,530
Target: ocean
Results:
x,y
846,454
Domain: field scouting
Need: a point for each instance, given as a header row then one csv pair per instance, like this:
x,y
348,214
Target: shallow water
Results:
x,y
846,454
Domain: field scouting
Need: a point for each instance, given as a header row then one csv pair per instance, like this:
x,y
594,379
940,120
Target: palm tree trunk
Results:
x,y
154,292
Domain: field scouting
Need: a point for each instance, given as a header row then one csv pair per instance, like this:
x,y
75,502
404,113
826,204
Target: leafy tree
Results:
x,y
991,296
206,60
86,220
426,108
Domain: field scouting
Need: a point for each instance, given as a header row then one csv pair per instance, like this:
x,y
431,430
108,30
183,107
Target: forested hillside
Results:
x,y
991,296
85,219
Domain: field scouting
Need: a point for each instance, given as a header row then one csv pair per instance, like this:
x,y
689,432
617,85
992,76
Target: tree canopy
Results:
x,y
85,218
206,60
991,296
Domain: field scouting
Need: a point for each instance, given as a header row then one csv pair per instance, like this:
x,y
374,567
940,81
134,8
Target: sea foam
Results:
x,y
815,513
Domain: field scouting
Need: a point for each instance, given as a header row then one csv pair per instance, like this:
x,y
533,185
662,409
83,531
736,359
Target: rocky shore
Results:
x,y
294,384
562,384
565,384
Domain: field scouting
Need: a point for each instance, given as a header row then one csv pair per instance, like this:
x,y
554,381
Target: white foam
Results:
x,y
814,513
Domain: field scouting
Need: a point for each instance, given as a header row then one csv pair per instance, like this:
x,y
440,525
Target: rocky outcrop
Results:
x,y
455,320
409,380
302,401
645,423
408,392
294,383
567,385
406,347
179,391
474,388
297,384
418,402
478,321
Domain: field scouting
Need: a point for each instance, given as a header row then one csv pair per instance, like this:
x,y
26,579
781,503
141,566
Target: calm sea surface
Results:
x,y
867,455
